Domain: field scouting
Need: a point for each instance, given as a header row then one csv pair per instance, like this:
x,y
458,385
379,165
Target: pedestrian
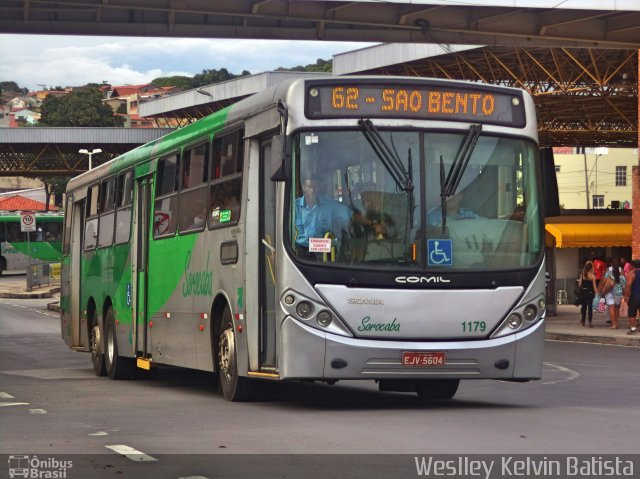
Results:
x,y
599,269
632,295
587,284
611,288
626,265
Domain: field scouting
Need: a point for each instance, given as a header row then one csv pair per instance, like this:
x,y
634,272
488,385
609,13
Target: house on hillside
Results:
x,y
124,101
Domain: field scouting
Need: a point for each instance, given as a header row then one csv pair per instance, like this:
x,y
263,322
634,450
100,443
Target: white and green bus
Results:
x,y
18,250
374,228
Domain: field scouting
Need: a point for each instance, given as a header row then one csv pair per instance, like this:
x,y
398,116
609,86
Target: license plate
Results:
x,y
422,359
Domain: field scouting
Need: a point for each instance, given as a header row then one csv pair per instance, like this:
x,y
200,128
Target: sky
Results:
x,y
55,60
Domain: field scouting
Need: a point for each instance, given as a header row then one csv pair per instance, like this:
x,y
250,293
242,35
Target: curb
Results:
x,y
576,338
54,307
30,294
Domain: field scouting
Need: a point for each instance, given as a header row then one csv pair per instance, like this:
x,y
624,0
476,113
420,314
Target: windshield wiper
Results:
x,y
387,155
449,185
462,160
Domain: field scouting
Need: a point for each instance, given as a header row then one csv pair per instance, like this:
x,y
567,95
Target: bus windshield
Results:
x,y
363,202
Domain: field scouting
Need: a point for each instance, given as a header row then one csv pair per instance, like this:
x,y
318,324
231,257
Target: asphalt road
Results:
x,y
52,404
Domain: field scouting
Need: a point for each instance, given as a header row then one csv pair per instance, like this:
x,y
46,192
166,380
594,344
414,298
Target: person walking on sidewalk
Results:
x,y
587,283
611,288
632,295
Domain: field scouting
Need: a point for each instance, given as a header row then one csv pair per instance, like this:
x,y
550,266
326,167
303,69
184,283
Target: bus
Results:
x,y
325,229
17,249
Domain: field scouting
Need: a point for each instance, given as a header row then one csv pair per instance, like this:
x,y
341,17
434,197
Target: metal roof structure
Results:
x,y
569,23
52,151
584,97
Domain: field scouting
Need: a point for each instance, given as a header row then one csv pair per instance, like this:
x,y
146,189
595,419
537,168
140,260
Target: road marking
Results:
x,y
3,404
571,374
6,396
192,477
131,453
99,433
37,411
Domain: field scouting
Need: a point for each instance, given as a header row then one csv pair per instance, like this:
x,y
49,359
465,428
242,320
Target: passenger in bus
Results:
x,y
317,214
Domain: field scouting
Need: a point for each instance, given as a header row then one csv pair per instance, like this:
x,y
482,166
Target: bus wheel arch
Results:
x,y
232,386
117,367
96,339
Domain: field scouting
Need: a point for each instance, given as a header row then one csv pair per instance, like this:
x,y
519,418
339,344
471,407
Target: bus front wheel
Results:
x,y
117,367
437,388
95,345
232,386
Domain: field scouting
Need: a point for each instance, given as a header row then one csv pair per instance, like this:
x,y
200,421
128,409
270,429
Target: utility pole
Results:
x,y
586,177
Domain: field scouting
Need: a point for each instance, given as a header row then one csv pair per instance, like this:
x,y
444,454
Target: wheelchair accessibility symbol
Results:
x,y
440,252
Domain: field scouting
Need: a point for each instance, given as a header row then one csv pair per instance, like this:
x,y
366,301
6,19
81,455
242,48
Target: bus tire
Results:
x,y
95,346
3,265
232,386
117,367
437,388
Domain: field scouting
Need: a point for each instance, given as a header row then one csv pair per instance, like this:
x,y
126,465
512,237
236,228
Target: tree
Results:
x,y
83,107
208,77
54,185
319,66
9,86
182,82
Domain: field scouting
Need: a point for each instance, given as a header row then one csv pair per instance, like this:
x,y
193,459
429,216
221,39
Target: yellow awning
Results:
x,y
586,235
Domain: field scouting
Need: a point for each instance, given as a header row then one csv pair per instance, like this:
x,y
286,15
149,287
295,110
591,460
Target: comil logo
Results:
x,y
34,467
421,279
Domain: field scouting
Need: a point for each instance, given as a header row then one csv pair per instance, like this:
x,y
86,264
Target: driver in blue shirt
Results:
x,y
317,214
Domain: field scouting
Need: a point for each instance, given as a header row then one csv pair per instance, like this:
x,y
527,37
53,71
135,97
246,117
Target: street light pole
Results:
x,y
90,153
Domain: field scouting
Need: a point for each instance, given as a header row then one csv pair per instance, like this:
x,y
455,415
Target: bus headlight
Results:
x,y
541,303
530,312
514,321
324,318
304,309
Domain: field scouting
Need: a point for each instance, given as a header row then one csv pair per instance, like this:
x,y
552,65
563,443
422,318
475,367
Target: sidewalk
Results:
x,y
18,290
565,326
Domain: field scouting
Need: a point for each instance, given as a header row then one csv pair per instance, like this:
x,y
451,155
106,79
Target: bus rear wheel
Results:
x,y
437,388
95,345
232,386
117,367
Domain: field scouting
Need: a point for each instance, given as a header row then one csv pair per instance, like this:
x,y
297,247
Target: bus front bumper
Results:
x,y
308,353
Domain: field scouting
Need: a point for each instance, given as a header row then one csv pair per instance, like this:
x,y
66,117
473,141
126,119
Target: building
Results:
x,y
595,178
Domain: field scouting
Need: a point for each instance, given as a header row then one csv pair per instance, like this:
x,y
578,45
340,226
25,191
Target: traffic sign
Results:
x,y
27,222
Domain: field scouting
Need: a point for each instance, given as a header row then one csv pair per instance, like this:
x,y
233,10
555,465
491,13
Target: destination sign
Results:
x,y
420,101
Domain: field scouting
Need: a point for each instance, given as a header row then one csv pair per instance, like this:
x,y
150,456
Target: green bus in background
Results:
x,y
379,228
42,245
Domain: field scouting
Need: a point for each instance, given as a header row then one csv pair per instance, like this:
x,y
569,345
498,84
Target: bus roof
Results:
x,y
10,216
208,126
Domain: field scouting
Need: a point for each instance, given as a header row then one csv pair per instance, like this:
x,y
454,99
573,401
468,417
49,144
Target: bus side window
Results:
x,y
165,214
3,234
193,194
13,233
124,195
227,155
224,201
91,221
68,216
107,215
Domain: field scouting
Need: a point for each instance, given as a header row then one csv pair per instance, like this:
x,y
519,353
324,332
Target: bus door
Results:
x,y
267,263
140,266
70,287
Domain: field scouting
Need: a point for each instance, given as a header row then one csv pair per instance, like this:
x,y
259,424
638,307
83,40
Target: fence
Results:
x,y
42,274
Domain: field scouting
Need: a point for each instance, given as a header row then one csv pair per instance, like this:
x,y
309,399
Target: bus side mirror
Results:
x,y
280,158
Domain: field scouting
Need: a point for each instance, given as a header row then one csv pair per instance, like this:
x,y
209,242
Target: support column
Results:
x,y
635,190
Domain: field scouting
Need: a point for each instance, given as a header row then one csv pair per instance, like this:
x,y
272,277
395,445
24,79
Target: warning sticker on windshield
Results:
x,y
319,245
